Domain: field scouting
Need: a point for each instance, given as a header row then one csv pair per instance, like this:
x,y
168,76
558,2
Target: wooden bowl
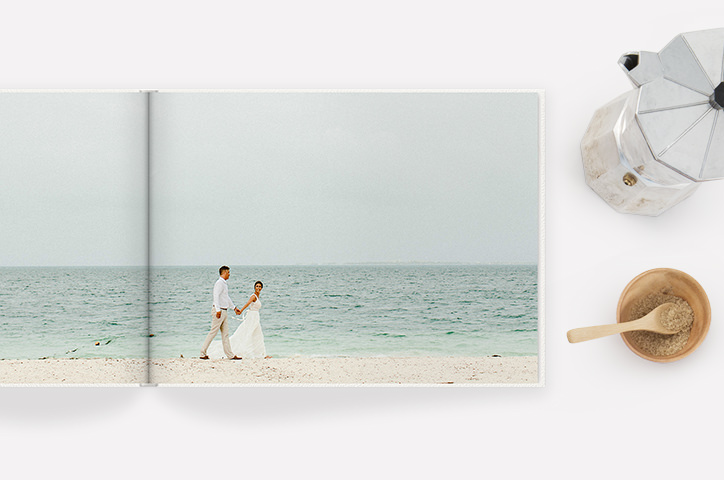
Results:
x,y
681,285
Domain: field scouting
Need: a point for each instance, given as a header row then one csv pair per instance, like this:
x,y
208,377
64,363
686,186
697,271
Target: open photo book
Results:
x,y
365,237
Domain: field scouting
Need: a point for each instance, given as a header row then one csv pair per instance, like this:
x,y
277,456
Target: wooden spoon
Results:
x,y
650,322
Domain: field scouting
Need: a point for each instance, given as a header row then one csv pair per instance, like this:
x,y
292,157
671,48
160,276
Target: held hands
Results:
x,y
237,311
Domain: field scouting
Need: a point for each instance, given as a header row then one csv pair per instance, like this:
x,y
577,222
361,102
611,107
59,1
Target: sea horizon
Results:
x,y
308,310
382,263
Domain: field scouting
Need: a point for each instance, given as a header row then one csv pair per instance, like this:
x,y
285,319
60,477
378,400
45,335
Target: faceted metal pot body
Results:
x,y
650,148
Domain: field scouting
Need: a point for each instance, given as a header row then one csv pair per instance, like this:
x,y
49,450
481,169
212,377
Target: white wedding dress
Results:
x,y
248,340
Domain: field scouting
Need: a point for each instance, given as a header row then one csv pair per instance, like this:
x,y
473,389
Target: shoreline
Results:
x,y
274,371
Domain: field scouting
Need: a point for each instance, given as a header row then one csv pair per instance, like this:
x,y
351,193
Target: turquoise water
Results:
x,y
61,312
405,310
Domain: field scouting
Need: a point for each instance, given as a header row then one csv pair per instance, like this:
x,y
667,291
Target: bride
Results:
x,y
248,340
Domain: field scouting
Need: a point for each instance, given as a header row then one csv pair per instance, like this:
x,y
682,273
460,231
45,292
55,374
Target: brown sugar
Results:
x,y
678,319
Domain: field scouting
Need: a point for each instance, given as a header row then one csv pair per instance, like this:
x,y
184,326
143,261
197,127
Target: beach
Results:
x,y
66,371
276,371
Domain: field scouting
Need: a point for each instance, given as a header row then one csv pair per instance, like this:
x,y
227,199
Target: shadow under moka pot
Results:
x,y
650,148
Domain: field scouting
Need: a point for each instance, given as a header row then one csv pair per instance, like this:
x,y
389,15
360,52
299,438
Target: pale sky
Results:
x,y
73,187
269,178
300,178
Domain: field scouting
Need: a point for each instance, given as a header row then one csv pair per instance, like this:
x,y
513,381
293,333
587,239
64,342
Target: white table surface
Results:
x,y
603,412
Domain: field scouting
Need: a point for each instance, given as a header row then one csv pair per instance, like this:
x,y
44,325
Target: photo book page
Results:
x,y
351,237
74,241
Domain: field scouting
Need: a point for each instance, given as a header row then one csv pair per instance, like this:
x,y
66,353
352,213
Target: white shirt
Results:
x,y
221,295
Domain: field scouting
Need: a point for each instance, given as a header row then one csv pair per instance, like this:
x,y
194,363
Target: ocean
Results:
x,y
61,312
316,310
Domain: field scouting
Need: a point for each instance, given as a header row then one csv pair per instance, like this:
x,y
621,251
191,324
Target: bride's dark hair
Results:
x,y
258,283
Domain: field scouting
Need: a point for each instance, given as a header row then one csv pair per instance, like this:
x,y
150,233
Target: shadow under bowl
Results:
x,y
676,283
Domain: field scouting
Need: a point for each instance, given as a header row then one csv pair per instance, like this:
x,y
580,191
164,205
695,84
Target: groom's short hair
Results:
x,y
223,269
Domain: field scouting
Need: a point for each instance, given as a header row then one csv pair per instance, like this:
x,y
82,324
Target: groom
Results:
x,y
222,302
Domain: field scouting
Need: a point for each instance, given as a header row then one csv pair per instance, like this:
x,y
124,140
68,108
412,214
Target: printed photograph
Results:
x,y
272,237
74,238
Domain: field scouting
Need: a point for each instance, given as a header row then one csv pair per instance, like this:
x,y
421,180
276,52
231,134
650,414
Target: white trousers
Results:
x,y
218,324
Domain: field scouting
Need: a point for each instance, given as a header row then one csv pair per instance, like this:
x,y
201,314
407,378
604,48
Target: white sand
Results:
x,y
184,371
74,370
